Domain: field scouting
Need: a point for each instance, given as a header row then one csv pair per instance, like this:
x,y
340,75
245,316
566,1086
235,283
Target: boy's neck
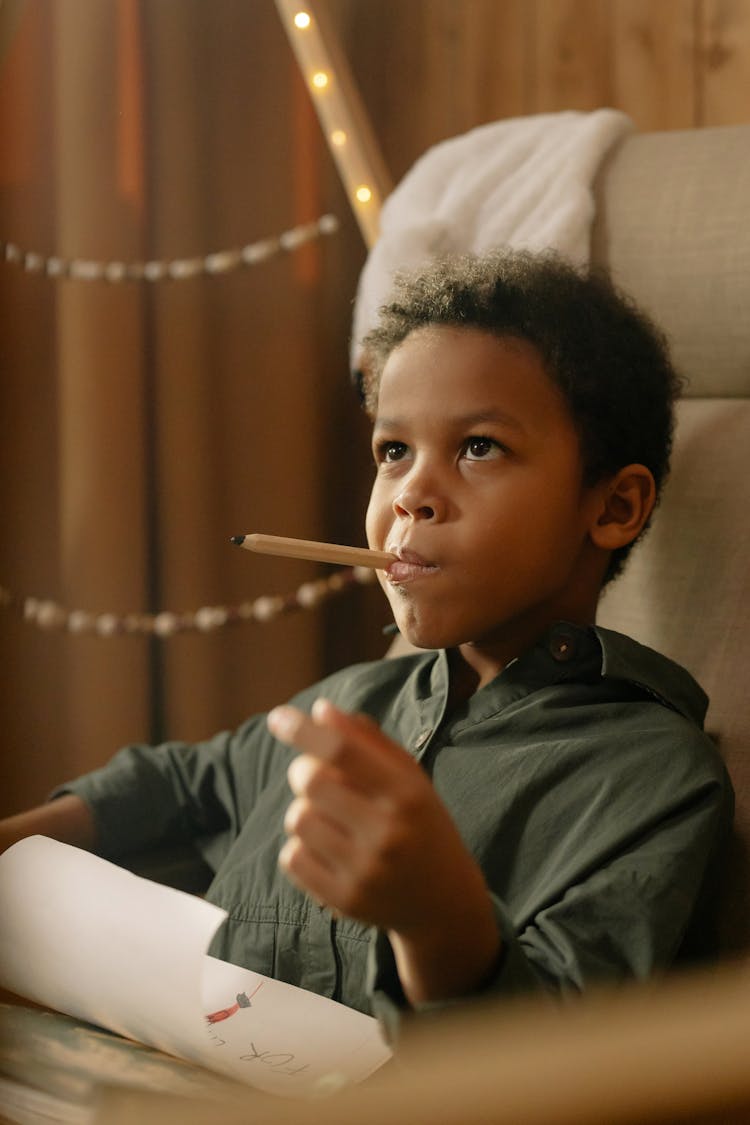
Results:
x,y
473,666
463,681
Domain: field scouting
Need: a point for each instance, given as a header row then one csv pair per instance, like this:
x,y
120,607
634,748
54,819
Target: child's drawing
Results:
x,y
242,1001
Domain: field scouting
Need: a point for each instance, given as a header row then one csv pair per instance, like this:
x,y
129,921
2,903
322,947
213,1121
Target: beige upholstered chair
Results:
x,y
673,226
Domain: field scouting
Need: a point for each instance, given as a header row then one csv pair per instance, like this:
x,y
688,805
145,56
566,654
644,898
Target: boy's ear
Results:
x,y
628,500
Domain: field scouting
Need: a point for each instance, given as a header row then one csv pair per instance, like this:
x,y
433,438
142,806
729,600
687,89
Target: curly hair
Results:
x,y
606,356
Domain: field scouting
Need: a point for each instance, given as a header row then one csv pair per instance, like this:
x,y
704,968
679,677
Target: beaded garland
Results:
x,y
178,269
49,615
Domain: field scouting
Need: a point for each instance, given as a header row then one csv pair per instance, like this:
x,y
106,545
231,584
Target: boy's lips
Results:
x,y
408,565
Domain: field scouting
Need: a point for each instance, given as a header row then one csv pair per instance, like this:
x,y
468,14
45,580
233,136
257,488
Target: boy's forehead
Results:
x,y
463,347
445,368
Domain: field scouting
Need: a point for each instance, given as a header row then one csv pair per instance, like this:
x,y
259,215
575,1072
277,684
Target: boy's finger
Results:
x,y
353,743
352,806
297,729
323,836
308,871
364,731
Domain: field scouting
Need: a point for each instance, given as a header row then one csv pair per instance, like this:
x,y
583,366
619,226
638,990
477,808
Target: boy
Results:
x,y
530,803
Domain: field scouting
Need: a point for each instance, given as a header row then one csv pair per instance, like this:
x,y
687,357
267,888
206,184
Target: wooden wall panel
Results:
x,y
724,77
653,49
572,49
431,69
480,78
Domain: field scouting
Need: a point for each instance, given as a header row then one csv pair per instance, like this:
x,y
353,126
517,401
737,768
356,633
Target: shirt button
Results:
x,y
420,740
562,647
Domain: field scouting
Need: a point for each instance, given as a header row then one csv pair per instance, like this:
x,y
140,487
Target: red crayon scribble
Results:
x,y
242,1001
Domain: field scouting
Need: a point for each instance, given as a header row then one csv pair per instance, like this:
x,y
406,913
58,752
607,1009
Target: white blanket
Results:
x,y
525,182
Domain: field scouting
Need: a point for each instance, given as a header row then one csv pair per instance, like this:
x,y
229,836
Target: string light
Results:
x,y
339,108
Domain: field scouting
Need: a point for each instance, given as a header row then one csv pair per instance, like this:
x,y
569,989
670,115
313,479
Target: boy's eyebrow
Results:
x,y
464,421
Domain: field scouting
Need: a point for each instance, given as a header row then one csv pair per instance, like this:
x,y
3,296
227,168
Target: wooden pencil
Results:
x,y
315,552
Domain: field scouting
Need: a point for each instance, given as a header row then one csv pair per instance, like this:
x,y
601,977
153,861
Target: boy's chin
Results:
x,y
420,635
425,626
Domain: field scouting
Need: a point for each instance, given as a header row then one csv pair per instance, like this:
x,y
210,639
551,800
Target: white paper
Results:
x,y
287,1039
87,938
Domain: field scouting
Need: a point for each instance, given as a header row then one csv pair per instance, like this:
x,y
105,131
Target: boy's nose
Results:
x,y
412,503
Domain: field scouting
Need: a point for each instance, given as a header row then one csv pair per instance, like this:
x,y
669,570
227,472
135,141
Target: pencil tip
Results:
x,y
238,540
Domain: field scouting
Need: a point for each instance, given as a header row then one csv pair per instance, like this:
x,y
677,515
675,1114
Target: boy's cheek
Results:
x,y
376,524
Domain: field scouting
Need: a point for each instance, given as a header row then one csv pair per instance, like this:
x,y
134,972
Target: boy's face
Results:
x,y
479,492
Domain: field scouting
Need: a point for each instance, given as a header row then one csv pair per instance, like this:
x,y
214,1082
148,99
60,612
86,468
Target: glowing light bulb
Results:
x,y
363,193
320,80
302,20
338,138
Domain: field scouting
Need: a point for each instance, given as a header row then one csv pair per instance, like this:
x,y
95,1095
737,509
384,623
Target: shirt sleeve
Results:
x,y
176,792
623,917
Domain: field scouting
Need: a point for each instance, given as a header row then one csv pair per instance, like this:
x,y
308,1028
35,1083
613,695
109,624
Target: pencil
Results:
x,y
315,552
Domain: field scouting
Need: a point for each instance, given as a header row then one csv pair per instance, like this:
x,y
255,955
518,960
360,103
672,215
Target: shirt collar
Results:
x,y
576,653
626,659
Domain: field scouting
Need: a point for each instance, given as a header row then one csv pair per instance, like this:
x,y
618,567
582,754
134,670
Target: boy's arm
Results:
x,y
149,796
368,840
67,819
369,837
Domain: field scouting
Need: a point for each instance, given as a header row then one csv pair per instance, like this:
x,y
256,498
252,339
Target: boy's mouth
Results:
x,y
408,566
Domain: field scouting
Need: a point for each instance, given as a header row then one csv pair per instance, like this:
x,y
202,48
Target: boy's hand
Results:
x,y
370,838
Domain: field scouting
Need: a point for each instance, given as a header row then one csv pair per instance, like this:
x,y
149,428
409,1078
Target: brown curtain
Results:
x,y
144,423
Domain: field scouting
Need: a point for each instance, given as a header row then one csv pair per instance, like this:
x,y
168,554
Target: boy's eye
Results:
x,y
391,451
482,449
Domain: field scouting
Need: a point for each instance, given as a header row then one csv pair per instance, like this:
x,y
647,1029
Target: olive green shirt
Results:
x,y
580,779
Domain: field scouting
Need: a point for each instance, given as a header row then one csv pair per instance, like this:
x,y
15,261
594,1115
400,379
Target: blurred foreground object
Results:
x,y
675,1052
